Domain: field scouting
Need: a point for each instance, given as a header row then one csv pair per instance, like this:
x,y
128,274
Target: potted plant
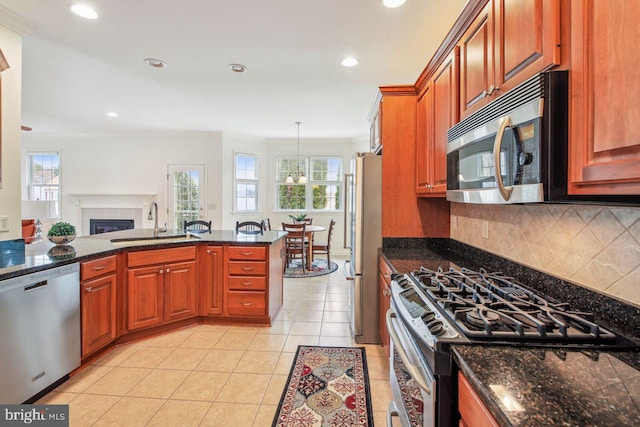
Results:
x,y
299,217
61,233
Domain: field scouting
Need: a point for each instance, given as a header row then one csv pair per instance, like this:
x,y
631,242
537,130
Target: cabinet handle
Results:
x,y
89,289
161,271
99,267
484,94
247,304
387,274
386,292
208,251
247,283
247,253
493,88
168,270
247,268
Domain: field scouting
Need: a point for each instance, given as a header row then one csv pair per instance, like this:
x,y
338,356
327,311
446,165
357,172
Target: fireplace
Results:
x,y
98,226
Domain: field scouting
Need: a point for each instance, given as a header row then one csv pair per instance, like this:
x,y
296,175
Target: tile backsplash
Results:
x,y
594,246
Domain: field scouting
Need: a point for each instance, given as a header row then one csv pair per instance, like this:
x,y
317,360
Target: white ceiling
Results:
x,y
76,70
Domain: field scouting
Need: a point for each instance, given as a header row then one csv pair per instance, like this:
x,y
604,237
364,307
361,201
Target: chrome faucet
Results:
x,y
156,230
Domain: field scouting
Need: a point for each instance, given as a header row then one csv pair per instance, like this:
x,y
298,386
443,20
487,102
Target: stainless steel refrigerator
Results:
x,y
363,235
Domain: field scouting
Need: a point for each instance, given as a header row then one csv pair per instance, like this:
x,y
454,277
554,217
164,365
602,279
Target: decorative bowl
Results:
x,y
61,240
60,252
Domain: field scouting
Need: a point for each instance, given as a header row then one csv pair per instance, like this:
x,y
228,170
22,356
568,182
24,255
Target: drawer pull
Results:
x,y
247,283
89,289
99,267
247,268
208,251
247,253
247,304
160,271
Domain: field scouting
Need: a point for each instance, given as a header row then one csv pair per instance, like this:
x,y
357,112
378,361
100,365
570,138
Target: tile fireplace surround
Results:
x,y
595,246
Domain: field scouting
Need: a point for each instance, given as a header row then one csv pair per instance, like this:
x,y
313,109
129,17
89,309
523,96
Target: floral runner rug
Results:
x,y
327,386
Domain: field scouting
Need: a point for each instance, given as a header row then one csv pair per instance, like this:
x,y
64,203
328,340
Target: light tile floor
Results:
x,y
218,375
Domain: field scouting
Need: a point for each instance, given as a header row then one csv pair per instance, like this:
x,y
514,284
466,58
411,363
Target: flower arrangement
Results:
x,y
299,217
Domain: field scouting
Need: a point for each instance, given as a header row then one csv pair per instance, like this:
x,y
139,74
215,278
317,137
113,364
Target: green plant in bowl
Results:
x,y
299,217
61,233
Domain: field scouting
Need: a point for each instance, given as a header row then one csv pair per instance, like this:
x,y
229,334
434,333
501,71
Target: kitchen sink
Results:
x,y
172,238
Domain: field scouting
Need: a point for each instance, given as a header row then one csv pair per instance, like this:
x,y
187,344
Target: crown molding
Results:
x,y
17,23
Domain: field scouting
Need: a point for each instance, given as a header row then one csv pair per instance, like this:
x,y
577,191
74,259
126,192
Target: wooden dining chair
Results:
x,y
250,227
197,226
294,244
324,248
267,224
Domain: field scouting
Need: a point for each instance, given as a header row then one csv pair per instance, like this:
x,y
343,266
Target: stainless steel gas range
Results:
x,y
432,310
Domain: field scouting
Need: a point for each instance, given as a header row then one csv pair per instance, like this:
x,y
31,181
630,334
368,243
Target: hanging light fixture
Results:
x,y
300,178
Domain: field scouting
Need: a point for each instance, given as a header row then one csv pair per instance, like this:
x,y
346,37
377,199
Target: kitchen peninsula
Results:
x,y
133,285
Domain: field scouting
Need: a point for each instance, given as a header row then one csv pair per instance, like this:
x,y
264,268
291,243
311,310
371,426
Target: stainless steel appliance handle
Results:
x,y
344,270
497,146
414,370
392,411
348,177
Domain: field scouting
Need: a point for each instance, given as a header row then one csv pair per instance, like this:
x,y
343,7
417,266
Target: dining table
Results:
x,y
308,231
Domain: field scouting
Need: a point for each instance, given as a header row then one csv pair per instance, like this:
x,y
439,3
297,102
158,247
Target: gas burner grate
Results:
x,y
487,305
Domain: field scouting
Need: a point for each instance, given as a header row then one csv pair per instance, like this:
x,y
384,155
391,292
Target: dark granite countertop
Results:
x,y
552,387
43,255
545,387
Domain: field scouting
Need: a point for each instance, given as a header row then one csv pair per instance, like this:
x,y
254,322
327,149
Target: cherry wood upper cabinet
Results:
x,y
437,111
477,78
604,141
527,39
508,42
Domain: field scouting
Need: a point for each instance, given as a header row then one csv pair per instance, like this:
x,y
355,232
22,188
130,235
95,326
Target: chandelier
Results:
x,y
300,178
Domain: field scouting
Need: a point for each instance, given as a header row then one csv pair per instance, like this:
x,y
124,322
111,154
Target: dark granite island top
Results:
x,y
548,387
43,255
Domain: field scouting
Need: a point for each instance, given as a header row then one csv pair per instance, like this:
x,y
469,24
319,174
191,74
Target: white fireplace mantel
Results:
x,y
110,200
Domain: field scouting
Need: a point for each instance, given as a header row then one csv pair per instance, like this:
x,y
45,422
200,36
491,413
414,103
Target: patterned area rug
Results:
x,y
327,386
318,268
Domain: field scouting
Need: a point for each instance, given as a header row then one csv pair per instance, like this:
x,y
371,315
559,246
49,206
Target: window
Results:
x,y
186,189
322,192
246,183
43,180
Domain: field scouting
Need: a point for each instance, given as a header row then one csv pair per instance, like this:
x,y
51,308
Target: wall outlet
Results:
x,y
485,229
4,223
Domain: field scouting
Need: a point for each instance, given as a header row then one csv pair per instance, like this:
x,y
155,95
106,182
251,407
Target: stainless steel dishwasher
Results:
x,y
39,331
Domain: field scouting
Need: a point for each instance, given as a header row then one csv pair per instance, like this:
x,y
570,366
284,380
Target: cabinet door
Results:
x,y
145,297
384,281
98,313
473,411
477,63
604,147
445,114
424,140
527,39
211,279
180,290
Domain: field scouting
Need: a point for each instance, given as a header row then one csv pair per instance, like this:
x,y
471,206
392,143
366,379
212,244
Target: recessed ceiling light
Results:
x,y
112,114
349,62
155,63
393,3
84,11
237,68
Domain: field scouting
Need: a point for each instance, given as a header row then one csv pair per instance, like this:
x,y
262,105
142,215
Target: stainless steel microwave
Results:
x,y
513,150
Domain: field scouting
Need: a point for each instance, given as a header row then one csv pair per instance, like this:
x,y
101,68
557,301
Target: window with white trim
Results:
x,y
321,192
246,183
43,179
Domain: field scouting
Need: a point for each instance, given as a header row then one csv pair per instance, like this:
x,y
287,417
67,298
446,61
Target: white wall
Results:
x,y
137,164
11,44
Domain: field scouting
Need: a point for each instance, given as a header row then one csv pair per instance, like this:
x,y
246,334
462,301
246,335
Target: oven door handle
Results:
x,y
414,370
497,146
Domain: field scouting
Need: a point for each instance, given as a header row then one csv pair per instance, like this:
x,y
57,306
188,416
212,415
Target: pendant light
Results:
x,y
300,178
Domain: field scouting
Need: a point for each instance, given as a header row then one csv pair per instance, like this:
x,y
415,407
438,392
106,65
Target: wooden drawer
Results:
x,y
248,283
98,267
385,271
247,303
248,252
161,256
247,268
